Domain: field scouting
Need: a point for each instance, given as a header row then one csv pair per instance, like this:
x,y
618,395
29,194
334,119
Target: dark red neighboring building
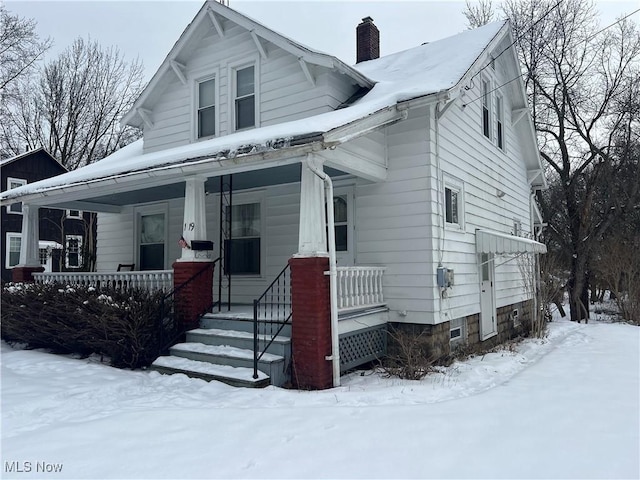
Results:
x,y
62,232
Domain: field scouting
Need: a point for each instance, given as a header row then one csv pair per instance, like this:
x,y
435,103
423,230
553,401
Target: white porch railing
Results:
x,y
150,280
359,287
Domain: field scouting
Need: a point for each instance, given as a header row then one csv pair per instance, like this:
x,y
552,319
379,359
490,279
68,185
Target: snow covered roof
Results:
x,y
7,161
421,72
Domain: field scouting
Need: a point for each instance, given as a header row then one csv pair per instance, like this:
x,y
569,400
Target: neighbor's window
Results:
x,y
74,214
499,123
242,252
245,102
74,251
15,183
14,241
486,108
207,108
451,202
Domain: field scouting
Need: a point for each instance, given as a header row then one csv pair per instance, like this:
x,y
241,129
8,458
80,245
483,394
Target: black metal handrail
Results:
x,y
271,312
169,313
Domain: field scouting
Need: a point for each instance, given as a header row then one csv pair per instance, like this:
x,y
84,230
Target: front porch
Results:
x,y
250,345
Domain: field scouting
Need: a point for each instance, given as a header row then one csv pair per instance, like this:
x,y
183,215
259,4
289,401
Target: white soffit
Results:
x,y
502,243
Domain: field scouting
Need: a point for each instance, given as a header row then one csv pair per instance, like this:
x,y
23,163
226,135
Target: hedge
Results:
x,y
130,327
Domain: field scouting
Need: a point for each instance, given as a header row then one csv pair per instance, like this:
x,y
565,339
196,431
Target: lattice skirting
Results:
x,y
362,346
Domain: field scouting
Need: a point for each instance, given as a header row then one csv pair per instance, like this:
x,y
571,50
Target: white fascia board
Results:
x,y
163,175
364,125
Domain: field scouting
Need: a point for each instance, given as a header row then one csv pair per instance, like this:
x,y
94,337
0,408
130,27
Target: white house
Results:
x,y
430,154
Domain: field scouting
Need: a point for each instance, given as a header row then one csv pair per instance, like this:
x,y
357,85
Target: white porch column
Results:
x,y
312,241
29,246
194,225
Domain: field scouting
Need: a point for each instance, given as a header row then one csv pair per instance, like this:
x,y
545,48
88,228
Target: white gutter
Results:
x,y
333,275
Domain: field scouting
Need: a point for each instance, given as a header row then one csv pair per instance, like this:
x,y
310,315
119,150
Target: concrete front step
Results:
x,y
272,365
235,376
281,345
240,322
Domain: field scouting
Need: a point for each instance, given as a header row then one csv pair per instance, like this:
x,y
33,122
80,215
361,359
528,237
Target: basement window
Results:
x,y
457,331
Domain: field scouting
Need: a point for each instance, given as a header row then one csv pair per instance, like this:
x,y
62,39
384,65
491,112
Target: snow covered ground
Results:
x,y
565,407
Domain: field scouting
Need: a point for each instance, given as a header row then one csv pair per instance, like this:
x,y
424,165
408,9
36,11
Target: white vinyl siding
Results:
x,y
282,91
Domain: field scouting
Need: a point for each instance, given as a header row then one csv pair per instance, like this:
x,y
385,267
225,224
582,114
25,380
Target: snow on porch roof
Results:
x,y
502,243
419,72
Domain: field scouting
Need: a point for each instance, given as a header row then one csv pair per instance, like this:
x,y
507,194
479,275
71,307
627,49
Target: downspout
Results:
x,y
333,274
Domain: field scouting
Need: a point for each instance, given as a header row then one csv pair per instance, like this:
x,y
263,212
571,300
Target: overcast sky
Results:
x,y
148,29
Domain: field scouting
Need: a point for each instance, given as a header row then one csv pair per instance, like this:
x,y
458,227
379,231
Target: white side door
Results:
x,y
488,324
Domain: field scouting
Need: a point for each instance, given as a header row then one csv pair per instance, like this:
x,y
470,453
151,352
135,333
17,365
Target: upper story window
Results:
x,y
15,183
499,122
245,98
207,108
486,109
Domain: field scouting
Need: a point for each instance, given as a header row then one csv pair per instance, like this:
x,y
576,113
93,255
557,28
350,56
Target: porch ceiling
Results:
x,y
241,181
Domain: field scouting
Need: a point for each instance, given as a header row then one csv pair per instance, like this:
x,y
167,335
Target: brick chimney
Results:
x,y
367,41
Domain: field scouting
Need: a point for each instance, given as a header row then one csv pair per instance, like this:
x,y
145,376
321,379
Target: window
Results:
x,y
486,109
74,251
245,102
15,183
14,241
242,252
74,214
340,219
44,256
517,228
207,108
499,123
451,206
151,234
457,331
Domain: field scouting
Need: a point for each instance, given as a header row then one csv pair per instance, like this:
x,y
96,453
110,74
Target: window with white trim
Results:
x,y
73,257
14,242
15,183
457,331
245,97
243,251
499,122
74,214
486,108
453,201
206,108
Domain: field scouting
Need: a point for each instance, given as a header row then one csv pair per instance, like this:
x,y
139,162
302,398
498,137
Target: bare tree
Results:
x,y
74,105
576,76
479,13
20,47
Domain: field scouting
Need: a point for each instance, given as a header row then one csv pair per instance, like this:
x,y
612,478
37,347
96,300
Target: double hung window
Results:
x,y
15,183
486,109
499,123
242,251
207,108
14,241
74,251
245,98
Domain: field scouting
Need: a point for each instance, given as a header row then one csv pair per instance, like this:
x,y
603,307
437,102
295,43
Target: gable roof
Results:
x,y
7,161
421,75
210,12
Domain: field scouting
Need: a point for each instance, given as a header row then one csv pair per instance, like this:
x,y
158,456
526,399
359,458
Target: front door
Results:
x,y
488,327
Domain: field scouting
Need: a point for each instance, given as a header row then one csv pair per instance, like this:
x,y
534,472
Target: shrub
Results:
x,y
131,327
409,356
